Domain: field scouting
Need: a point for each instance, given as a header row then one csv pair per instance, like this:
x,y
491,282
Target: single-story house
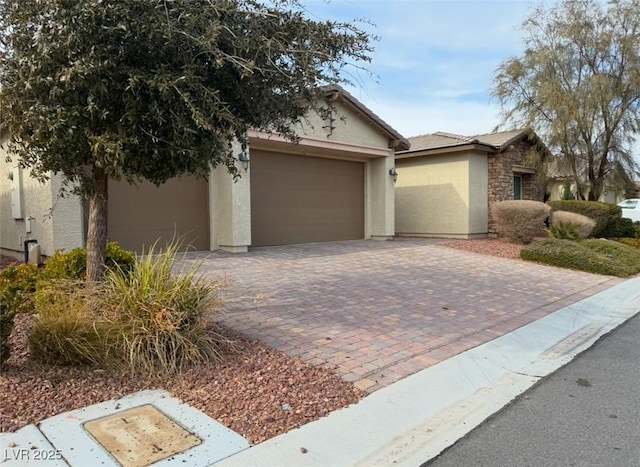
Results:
x,y
447,183
333,184
617,187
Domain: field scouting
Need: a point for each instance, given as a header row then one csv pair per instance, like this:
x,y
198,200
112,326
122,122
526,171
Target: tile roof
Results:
x,y
439,139
497,141
501,139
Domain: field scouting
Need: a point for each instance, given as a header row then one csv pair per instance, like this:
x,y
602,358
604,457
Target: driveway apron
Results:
x,y
376,312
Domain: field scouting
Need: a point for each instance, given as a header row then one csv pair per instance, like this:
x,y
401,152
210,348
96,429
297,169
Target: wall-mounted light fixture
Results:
x,y
10,176
394,174
244,160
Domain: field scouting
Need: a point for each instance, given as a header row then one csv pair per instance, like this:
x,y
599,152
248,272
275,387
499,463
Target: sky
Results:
x,y
435,59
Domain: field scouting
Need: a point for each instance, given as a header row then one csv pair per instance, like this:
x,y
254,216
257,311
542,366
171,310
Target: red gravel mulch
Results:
x,y
488,246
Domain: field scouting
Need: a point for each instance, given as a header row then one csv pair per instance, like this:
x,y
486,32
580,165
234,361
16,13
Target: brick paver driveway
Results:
x,y
376,312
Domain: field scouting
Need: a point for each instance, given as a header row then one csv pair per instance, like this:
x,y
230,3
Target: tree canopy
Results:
x,y
152,89
577,85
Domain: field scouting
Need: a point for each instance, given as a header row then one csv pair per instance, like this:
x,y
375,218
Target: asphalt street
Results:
x,y
585,414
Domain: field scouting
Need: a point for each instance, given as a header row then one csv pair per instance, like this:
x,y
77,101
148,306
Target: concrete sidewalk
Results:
x,y
405,423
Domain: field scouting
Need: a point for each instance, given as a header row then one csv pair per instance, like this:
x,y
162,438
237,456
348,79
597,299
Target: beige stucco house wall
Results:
x,y
447,183
437,196
55,222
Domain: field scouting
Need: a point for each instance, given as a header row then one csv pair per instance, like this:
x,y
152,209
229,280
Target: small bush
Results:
x,y
564,231
583,225
620,228
605,214
632,242
119,258
621,254
157,317
67,330
595,256
72,265
520,221
17,285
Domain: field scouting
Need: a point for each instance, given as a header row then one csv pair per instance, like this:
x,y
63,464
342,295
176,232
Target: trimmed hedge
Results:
x,y
606,215
520,220
597,256
632,242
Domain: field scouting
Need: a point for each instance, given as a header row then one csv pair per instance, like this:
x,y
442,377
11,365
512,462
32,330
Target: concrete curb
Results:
x,y
416,418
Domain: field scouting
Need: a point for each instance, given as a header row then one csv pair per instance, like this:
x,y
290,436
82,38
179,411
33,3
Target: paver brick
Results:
x,y
378,311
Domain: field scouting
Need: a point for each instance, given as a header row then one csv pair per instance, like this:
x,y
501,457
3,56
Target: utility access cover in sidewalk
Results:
x,y
141,436
149,427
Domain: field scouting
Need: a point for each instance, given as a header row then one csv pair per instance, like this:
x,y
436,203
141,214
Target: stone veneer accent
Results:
x,y
501,172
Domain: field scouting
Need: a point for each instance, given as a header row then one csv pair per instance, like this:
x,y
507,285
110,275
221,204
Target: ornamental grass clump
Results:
x,y
148,318
520,221
570,225
67,328
158,314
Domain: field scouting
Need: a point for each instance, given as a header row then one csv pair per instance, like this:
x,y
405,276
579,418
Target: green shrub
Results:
x,y
565,231
624,255
620,228
67,329
73,264
605,214
119,258
70,265
520,220
632,242
17,285
567,192
158,317
596,256
566,222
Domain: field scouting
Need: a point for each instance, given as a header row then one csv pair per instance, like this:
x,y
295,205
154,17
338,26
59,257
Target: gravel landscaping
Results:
x,y
256,391
488,246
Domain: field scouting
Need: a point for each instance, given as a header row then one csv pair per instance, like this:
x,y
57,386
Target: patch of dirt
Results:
x,y
6,261
488,246
256,391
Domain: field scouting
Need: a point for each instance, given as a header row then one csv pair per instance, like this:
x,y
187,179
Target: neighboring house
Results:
x,y
447,184
334,184
618,186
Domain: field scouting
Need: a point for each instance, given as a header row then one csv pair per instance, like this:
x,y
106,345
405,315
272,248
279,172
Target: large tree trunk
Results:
x,y
97,229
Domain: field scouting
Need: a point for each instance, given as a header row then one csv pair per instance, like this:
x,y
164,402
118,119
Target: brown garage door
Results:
x,y
138,216
303,199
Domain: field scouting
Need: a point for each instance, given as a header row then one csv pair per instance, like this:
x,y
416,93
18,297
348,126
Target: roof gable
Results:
x,y
396,140
490,142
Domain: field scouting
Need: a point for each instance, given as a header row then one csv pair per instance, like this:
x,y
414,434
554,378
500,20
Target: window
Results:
x,y
517,187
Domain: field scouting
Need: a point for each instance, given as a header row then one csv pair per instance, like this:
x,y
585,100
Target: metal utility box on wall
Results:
x,y
16,192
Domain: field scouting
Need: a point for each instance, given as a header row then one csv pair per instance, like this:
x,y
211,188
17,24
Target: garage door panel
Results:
x,y
301,199
140,215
